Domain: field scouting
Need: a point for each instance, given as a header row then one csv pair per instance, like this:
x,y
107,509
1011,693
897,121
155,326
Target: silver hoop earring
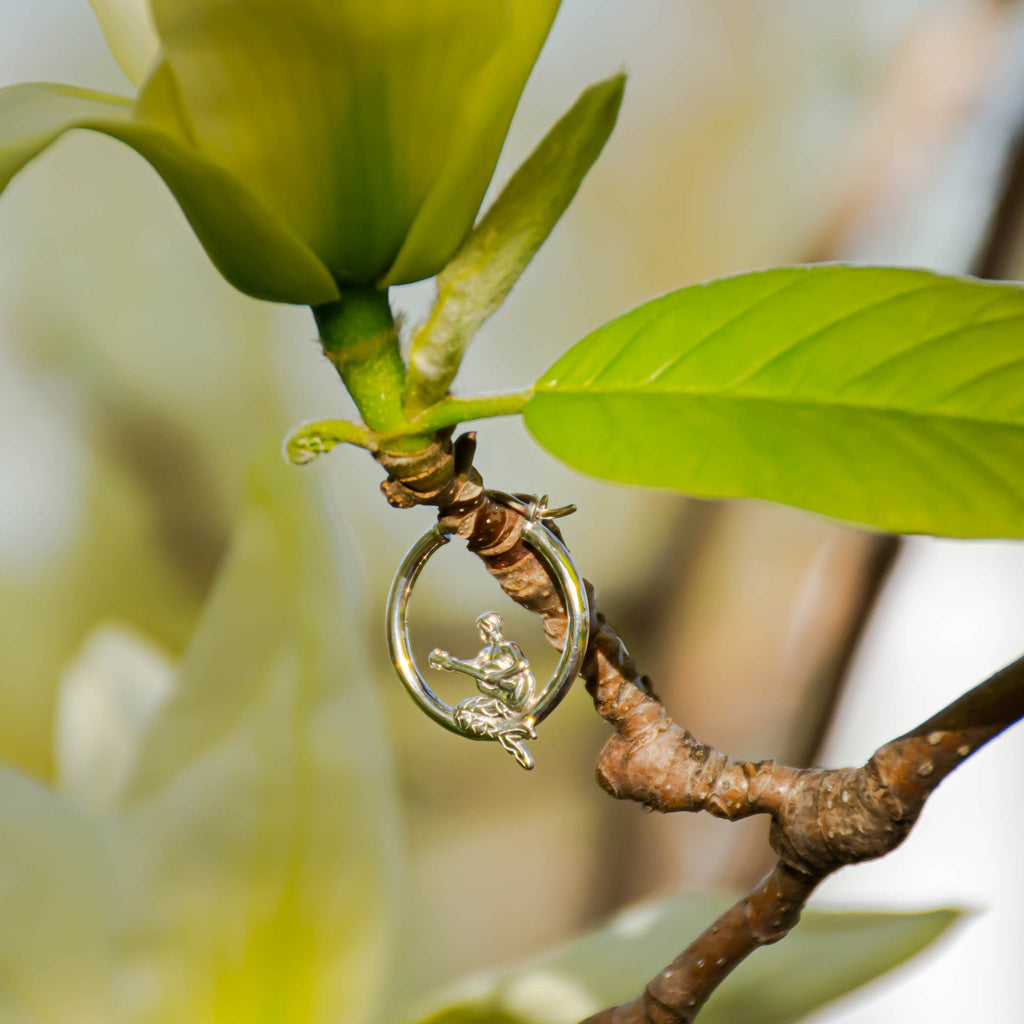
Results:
x,y
509,705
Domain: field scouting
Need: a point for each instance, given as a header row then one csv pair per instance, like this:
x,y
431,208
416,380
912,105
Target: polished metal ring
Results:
x,y
509,704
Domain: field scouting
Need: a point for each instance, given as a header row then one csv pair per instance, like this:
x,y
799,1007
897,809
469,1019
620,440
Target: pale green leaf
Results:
x,y
130,33
34,115
348,119
256,830
255,251
497,251
887,397
775,985
56,892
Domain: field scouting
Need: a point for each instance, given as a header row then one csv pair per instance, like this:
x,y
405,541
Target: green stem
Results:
x,y
308,440
358,336
452,411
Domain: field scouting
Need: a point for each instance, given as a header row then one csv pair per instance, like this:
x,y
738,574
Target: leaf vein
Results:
x,y
991,372
757,304
855,314
931,339
972,457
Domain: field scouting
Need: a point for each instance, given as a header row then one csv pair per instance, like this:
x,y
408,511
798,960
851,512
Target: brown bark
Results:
x,y
763,916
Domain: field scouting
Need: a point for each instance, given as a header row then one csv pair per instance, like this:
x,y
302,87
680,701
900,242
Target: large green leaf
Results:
x,y
888,397
776,985
481,275
256,251
255,830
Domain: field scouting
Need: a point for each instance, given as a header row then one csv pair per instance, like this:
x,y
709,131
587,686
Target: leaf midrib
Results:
x,y
894,410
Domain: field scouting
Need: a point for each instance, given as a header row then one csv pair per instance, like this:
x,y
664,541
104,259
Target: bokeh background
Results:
x,y
136,389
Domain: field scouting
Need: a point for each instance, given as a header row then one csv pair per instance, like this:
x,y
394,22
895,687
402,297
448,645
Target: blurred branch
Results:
x,y
878,557
1001,245
188,523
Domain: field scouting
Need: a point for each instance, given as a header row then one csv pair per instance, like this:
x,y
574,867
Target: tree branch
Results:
x,y
824,819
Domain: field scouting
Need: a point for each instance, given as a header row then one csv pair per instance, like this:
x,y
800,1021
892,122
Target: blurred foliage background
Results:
x,y
136,390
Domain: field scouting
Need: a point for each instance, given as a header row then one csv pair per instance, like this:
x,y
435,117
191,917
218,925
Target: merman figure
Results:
x,y
507,690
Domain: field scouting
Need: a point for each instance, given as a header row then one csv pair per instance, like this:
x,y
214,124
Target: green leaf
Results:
x,y
776,985
891,398
497,251
258,253
256,830
357,124
34,115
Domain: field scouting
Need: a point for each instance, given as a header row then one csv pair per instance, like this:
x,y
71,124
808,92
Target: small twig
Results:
x,y
998,248
451,411
763,916
307,441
